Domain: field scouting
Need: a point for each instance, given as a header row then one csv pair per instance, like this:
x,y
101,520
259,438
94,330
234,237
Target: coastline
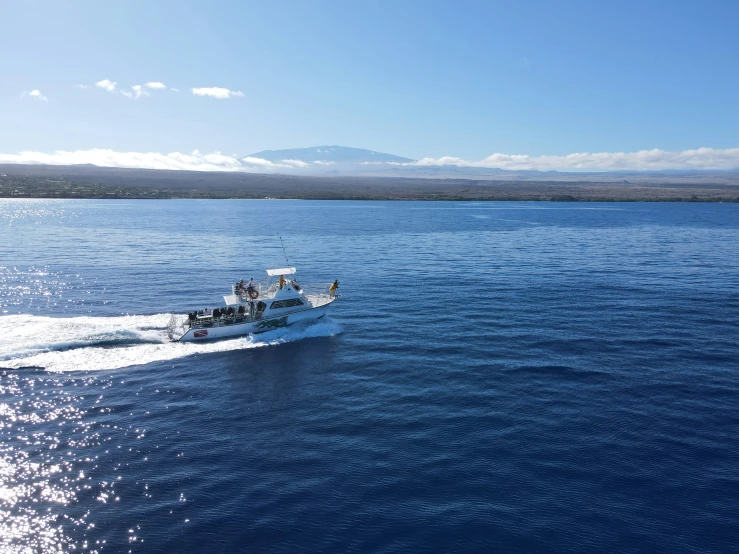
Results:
x,y
92,182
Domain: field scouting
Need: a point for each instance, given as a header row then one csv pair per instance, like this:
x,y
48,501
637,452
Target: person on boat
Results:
x,y
251,289
295,285
332,288
282,281
241,285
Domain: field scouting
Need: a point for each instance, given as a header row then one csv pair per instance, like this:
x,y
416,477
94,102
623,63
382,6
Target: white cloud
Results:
x,y
175,89
701,158
643,160
106,84
294,163
156,85
266,164
194,161
320,162
216,92
36,95
258,162
141,160
135,93
81,86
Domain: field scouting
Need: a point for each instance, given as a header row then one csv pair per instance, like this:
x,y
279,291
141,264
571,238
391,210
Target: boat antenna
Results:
x,y
283,251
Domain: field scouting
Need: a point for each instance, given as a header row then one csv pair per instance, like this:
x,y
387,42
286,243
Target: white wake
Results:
x,y
100,343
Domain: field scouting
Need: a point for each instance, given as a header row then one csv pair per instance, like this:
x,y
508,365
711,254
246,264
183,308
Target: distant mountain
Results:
x,y
335,154
333,161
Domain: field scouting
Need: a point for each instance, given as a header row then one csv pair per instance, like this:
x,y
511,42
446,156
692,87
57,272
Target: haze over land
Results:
x,y
87,181
341,160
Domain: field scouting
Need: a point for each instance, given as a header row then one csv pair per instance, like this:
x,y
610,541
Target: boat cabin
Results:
x,y
279,295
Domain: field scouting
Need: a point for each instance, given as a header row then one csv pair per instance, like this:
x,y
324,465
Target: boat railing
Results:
x,y
265,290
268,289
317,293
221,320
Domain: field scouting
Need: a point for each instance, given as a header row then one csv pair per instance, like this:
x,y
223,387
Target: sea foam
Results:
x,y
105,343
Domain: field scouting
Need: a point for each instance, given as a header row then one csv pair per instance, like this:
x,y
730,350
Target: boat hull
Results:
x,y
252,327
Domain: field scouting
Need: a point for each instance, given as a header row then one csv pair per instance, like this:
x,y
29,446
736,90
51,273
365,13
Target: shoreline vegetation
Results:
x,y
92,182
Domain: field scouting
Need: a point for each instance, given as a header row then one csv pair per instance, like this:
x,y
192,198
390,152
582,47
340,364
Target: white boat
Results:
x,y
278,302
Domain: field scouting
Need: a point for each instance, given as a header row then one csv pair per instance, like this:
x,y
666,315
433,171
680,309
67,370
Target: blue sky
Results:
x,y
417,79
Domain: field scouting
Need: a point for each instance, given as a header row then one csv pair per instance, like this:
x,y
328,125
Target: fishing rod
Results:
x,y
283,251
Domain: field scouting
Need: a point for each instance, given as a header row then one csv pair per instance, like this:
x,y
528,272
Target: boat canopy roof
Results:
x,y
281,271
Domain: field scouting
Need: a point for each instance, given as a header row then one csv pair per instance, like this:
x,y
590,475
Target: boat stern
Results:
x,y
177,327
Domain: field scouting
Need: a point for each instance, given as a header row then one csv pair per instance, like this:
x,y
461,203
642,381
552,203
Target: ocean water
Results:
x,y
497,377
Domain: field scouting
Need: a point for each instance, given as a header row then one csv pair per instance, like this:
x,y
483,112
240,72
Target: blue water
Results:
x,y
497,377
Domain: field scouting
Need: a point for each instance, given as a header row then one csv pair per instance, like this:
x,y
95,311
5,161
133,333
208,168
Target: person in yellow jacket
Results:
x,y
282,281
332,289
